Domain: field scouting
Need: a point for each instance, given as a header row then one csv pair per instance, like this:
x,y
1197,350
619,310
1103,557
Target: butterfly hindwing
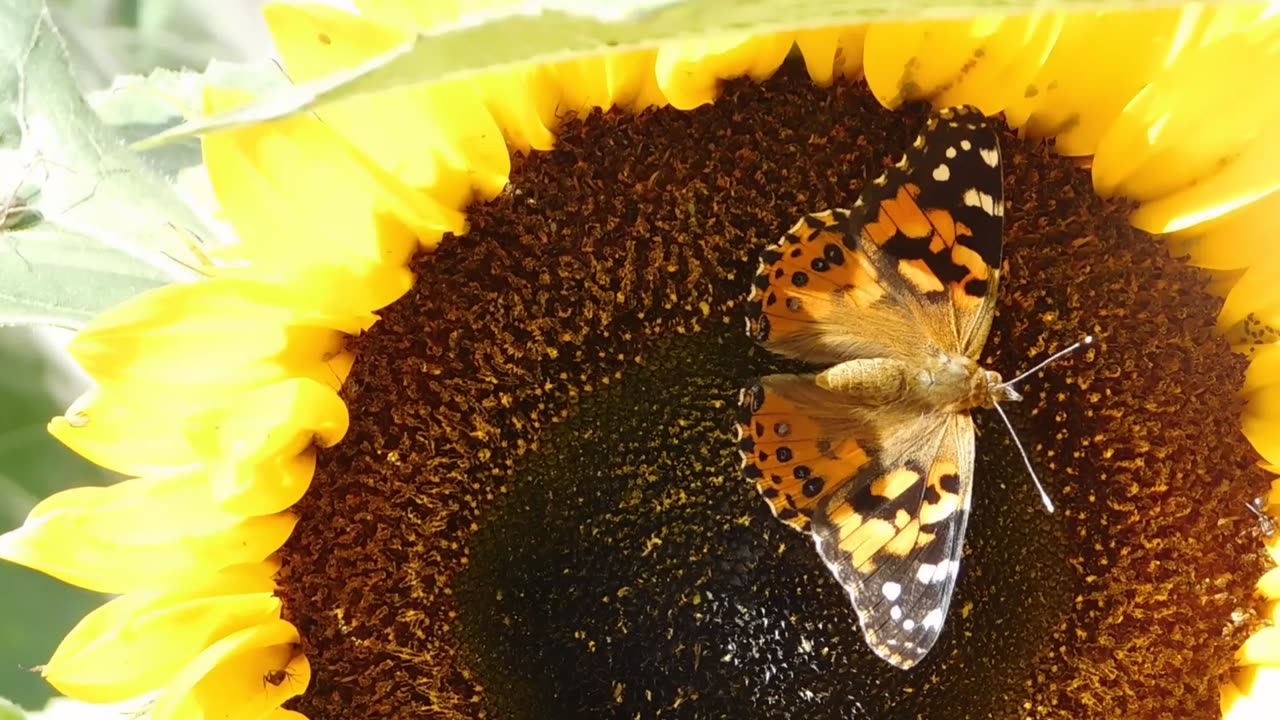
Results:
x,y
797,444
893,536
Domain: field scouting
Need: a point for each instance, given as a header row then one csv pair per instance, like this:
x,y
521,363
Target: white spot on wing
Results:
x,y
942,173
930,573
976,198
908,625
950,153
933,619
891,591
895,612
990,156
966,145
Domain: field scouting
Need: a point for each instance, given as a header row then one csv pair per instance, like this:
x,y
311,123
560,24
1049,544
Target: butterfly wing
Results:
x,y
912,269
893,535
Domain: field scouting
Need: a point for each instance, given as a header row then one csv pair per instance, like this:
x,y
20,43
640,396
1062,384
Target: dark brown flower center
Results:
x,y
538,510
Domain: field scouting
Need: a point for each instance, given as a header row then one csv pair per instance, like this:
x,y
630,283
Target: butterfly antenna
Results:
x,y
1087,340
1044,496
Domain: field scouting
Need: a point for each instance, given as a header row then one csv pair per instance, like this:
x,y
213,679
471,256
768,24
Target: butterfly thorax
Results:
x,y
941,382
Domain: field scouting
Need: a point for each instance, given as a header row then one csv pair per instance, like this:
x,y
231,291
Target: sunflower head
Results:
x,y
524,498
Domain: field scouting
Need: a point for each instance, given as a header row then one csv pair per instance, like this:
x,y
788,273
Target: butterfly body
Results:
x,y
945,383
873,456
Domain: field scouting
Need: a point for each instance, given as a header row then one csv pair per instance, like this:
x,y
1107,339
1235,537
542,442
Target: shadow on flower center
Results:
x,y
538,510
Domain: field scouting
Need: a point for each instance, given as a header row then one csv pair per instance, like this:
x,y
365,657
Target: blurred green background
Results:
x,y
104,38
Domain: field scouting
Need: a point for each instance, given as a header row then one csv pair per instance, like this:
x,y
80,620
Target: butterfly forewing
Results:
x,y
908,274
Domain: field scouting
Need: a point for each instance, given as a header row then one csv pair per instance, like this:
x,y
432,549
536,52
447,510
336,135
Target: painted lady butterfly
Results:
x,y
874,456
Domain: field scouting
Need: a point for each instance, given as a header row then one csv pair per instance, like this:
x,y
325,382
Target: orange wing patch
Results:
x,y
794,463
877,516
900,218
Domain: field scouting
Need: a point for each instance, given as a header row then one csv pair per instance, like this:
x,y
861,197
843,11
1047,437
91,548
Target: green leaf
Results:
x,y
100,224
36,611
9,711
137,106
61,708
558,30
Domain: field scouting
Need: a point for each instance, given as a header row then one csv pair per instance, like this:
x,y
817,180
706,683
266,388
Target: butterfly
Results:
x,y
873,456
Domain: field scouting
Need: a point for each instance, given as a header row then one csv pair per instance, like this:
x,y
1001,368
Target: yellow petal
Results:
x,y
73,538
149,429
1264,369
1175,131
632,82
283,418
331,370
1096,65
262,487
832,52
911,61
133,428
1235,240
583,85
986,62
523,101
626,80
136,643
439,136
270,179
126,511
133,422
259,448
1269,583
220,331
818,48
690,72
227,679
1259,698
1256,293
1243,179
1261,422
1262,648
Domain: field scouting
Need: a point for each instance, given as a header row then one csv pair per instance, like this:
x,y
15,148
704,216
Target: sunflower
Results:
x,y
511,492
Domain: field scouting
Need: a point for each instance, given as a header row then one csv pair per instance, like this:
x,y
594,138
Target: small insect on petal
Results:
x,y
1266,523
